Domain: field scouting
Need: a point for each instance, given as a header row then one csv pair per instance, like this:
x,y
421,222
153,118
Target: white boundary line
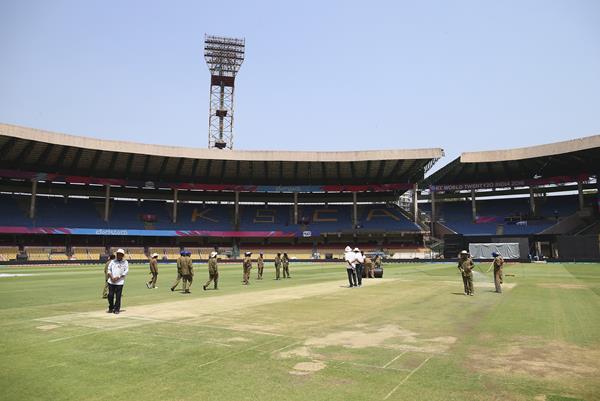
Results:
x,y
287,346
393,360
406,378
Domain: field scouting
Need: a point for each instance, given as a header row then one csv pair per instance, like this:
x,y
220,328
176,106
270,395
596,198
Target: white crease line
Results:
x,y
406,378
363,365
287,346
85,334
236,353
393,360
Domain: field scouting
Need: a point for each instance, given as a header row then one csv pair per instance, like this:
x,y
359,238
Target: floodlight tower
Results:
x,y
224,57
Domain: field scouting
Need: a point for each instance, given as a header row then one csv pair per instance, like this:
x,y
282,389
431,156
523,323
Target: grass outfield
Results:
x,y
410,336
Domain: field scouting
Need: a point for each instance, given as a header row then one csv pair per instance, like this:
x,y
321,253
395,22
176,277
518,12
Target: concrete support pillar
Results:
x,y
295,207
433,212
580,194
175,201
532,207
237,209
474,205
354,210
107,203
415,205
32,202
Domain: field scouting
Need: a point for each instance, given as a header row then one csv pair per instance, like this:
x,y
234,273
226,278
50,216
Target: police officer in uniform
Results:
x,y
154,271
185,266
378,261
247,266
466,265
369,267
277,265
105,290
498,276
260,263
213,271
179,276
285,262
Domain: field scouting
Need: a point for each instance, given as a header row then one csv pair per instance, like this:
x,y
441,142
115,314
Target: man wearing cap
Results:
x,y
350,258
154,271
260,263
466,265
359,265
117,271
277,265
178,279
247,266
213,270
285,262
498,265
185,266
105,289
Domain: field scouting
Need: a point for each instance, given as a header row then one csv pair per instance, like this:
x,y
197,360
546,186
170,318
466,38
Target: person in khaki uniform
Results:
x,y
277,265
247,266
466,265
154,271
105,290
213,271
186,267
179,276
369,269
260,263
285,262
498,276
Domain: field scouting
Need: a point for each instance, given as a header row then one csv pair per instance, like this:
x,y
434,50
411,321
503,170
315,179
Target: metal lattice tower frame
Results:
x,y
224,57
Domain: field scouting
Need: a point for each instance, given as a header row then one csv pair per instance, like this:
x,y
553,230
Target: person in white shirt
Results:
x,y
350,259
359,265
117,271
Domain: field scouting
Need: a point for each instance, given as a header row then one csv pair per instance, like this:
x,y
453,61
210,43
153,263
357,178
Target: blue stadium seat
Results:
x,y
492,212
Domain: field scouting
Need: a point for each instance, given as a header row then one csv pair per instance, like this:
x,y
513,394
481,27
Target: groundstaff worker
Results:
x,y
247,266
179,276
369,267
350,258
277,265
117,271
153,271
466,265
260,263
105,289
285,261
498,265
213,270
184,265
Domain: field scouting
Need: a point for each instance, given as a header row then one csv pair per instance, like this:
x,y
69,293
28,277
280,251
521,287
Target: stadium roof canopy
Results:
x,y
541,164
31,150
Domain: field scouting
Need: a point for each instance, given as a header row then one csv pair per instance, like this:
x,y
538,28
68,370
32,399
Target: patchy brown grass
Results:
x,y
532,356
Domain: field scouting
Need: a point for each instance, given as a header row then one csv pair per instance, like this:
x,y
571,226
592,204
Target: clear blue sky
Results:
x,y
461,75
